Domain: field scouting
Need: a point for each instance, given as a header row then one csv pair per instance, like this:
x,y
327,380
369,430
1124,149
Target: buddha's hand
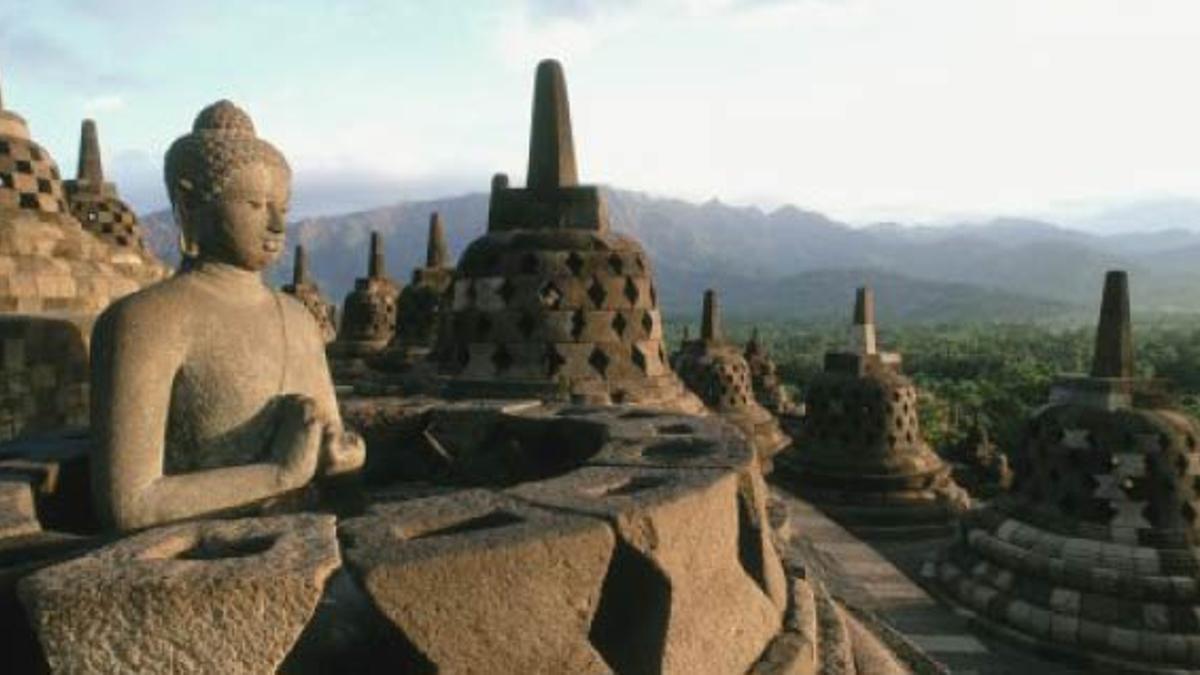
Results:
x,y
297,443
341,451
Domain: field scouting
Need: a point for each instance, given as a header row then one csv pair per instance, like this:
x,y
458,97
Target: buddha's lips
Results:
x,y
272,245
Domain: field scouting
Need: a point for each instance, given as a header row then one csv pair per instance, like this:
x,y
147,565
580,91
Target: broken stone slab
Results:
x,y
640,437
206,596
682,594
478,582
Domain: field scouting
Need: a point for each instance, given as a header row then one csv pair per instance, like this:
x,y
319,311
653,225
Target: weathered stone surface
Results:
x,y
478,582
678,598
17,514
211,392
202,597
1094,552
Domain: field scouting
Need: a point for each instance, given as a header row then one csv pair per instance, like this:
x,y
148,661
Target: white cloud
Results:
x,y
105,103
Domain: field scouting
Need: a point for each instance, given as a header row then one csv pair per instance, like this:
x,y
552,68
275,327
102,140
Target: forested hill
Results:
x,y
791,263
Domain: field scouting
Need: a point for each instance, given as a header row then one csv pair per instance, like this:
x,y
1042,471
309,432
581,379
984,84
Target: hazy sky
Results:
x,y
864,109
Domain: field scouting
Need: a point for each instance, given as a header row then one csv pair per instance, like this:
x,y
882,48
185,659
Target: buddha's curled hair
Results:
x,y
222,139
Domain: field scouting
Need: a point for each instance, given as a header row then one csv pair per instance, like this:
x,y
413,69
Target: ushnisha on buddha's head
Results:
x,y
229,191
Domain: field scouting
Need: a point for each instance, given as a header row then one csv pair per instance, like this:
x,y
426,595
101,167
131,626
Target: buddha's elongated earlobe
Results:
x,y
188,246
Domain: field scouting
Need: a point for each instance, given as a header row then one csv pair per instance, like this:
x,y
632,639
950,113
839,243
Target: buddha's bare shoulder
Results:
x,y
299,317
159,310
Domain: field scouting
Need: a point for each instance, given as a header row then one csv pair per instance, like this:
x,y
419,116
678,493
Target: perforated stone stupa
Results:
x,y
716,371
305,289
419,309
47,261
54,278
1094,553
94,202
764,378
861,455
369,311
550,302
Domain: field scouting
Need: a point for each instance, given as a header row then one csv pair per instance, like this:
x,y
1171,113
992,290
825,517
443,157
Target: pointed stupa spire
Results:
x,y
300,267
375,265
1114,334
437,254
90,171
551,147
710,323
753,346
862,333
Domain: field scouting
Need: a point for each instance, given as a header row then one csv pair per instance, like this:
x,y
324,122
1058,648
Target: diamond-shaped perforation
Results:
x,y
615,263
599,360
530,264
639,359
554,360
647,322
550,295
506,291
527,324
575,263
578,323
502,359
596,293
631,291
619,324
483,327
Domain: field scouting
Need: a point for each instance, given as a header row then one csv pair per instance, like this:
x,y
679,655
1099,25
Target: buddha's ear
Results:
x,y
181,209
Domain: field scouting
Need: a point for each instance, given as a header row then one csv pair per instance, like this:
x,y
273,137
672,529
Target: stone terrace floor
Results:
x,y
879,576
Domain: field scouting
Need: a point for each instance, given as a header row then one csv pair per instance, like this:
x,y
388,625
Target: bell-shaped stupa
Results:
x,y
306,290
419,308
550,302
95,203
369,311
716,371
861,455
1094,553
764,378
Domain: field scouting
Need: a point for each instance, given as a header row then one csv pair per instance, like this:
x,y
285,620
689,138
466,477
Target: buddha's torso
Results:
x,y
245,350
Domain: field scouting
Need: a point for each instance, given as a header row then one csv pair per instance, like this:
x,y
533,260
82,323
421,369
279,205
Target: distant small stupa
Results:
x,y
305,289
368,313
860,454
716,371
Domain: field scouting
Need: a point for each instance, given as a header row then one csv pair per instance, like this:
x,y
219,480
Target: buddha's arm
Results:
x,y
132,372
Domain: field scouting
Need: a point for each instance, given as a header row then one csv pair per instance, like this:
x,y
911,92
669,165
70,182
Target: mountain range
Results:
x,y
789,263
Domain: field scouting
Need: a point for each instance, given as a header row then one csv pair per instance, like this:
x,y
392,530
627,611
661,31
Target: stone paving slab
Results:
x,y
878,577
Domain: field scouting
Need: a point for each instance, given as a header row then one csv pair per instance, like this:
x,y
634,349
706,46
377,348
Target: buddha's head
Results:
x,y
229,190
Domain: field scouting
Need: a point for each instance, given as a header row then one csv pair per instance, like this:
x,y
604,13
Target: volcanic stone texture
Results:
x,y
207,596
524,583
1094,553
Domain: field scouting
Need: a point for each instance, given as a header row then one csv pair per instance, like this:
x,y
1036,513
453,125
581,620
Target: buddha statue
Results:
x,y
211,393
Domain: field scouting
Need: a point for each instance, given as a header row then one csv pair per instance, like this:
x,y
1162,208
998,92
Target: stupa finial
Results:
x,y
1114,334
437,254
862,333
300,267
90,170
710,323
551,147
375,265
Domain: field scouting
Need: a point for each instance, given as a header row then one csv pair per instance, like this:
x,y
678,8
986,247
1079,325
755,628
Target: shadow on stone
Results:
x,y
750,552
348,634
630,627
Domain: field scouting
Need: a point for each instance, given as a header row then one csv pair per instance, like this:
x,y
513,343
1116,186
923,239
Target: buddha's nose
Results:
x,y
275,223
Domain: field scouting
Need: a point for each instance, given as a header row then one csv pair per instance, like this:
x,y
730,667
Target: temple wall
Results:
x,y
43,372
